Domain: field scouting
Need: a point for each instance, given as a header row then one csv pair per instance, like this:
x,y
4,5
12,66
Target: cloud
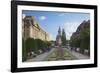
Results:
x,y
42,17
70,28
51,37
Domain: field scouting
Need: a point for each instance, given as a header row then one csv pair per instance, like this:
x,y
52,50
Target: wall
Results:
x,y
5,37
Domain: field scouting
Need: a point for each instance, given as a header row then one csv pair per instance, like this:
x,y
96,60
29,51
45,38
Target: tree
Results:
x,y
24,52
81,38
31,45
85,39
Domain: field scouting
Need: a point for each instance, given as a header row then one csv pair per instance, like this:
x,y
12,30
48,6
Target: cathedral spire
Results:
x,y
58,38
63,31
63,37
59,30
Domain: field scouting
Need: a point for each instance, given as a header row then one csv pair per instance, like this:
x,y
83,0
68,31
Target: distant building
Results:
x,y
31,29
60,51
61,37
58,38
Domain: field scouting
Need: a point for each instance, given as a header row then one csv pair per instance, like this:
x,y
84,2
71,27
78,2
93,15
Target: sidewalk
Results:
x,y
78,55
40,57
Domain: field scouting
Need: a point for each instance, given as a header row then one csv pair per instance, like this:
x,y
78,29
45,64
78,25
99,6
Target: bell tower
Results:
x,y
58,38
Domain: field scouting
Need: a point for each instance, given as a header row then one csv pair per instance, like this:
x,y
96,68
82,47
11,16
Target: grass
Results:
x,y
69,56
53,56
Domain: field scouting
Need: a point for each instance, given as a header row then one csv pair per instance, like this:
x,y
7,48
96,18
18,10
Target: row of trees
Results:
x,y
34,45
81,38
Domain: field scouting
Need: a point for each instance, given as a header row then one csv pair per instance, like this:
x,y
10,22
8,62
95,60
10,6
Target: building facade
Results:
x,y
61,37
31,29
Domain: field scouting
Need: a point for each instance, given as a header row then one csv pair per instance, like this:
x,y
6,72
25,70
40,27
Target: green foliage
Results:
x,y
31,45
35,45
85,39
82,39
75,42
24,53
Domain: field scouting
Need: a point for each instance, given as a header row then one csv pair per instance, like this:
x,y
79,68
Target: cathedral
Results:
x,y
61,38
60,41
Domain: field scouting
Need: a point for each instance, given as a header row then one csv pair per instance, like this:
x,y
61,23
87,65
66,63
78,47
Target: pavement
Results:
x,y
40,57
77,54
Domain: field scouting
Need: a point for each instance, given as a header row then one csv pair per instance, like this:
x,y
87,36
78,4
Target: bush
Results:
x,y
24,52
82,40
33,45
43,45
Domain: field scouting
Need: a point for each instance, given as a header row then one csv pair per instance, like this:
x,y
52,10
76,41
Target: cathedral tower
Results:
x,y
58,38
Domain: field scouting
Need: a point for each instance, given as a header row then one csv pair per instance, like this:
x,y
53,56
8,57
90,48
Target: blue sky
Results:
x,y
50,21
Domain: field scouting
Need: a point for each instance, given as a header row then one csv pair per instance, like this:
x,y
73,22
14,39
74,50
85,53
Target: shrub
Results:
x,y
24,52
34,45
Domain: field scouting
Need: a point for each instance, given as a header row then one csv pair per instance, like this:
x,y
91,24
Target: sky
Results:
x,y
51,21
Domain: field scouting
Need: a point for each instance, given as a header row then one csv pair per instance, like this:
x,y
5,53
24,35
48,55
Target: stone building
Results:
x,y
61,37
31,29
60,50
